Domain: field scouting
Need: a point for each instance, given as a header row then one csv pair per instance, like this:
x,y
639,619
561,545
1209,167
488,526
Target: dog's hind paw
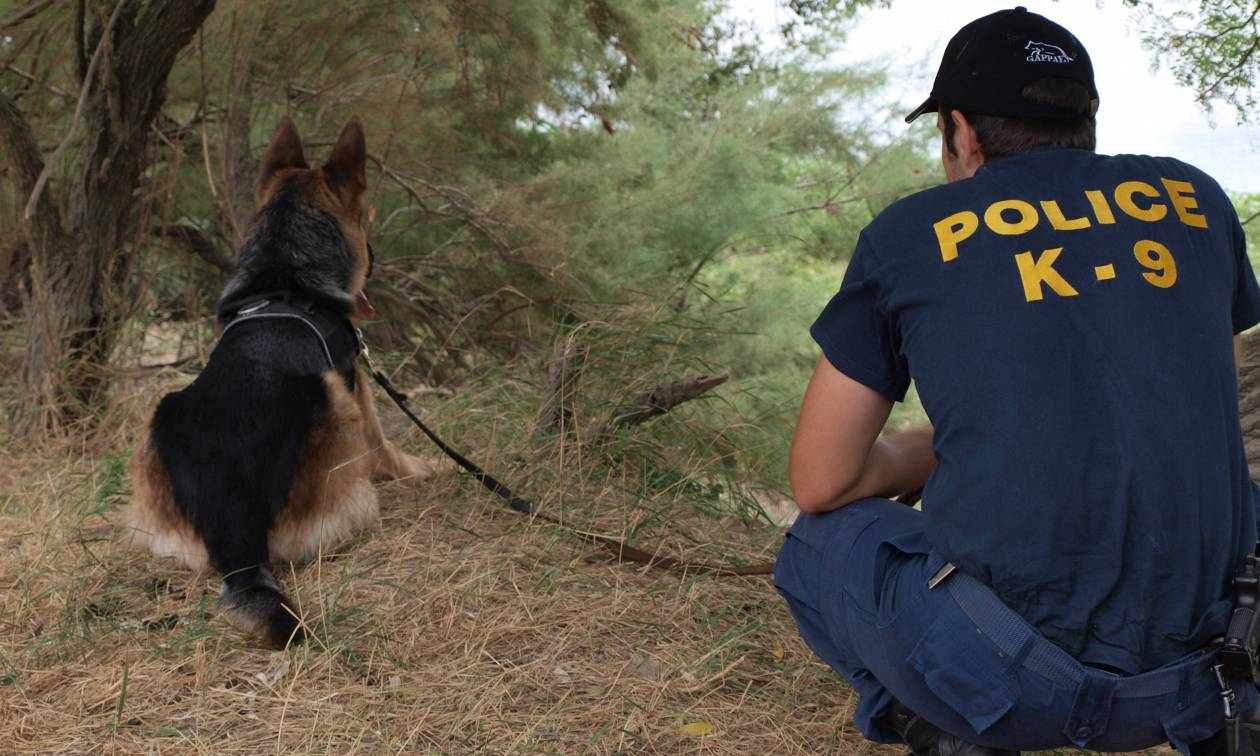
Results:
x,y
263,611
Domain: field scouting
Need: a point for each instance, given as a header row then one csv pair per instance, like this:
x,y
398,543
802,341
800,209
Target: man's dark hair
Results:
x,y
1002,137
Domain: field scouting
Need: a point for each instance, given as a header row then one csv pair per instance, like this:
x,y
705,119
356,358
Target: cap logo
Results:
x,y
1042,52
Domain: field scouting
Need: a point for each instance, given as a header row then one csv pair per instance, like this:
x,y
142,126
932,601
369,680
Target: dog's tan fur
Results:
x,y
152,519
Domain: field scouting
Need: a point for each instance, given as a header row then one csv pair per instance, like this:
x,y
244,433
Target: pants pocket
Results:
x,y
1197,722
963,668
806,567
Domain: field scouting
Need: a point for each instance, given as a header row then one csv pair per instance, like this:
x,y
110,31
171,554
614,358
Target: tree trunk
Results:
x,y
76,255
239,167
15,276
44,236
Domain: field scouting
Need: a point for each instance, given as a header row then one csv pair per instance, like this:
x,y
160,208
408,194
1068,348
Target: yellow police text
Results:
x,y
1013,217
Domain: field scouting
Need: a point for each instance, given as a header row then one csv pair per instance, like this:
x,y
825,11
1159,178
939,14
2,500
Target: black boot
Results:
x,y
926,739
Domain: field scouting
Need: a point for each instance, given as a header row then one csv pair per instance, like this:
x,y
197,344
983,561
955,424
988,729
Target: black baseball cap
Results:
x,y
990,60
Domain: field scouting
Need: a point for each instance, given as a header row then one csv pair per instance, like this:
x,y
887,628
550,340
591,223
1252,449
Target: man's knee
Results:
x,y
796,572
817,548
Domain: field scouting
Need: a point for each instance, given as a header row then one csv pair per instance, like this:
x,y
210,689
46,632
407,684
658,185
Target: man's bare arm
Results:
x,y
837,454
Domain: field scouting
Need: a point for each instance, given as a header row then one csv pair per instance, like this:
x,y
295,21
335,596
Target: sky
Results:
x,y
1141,111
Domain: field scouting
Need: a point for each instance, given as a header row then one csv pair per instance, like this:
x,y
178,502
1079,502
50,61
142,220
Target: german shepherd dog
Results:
x,y
271,452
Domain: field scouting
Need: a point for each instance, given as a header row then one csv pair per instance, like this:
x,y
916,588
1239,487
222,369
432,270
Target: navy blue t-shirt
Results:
x,y
1068,319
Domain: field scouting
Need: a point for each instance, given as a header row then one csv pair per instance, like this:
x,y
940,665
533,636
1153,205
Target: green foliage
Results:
x,y
813,21
1248,207
641,173
1214,47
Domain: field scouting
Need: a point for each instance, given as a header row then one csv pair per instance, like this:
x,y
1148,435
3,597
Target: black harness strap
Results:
x,y
268,310
322,322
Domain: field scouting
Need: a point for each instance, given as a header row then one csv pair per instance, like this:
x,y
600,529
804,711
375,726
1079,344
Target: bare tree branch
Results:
x,y
32,79
38,38
1239,63
197,242
1249,21
26,13
655,403
465,207
831,201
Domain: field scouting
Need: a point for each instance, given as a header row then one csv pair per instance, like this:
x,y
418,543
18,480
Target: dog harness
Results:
x,y
284,305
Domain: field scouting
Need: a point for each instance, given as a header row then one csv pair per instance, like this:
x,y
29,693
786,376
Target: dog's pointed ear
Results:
x,y
285,151
346,168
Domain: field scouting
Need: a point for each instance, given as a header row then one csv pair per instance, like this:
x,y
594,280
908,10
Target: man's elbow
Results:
x,y
824,481
814,498
814,505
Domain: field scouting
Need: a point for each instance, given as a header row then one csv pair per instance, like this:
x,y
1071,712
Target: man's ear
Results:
x,y
346,169
966,141
284,152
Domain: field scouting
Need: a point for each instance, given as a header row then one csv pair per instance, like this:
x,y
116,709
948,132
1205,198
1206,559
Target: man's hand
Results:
x,y
837,455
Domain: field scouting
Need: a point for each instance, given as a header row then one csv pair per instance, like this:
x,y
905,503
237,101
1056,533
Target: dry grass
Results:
x,y
456,627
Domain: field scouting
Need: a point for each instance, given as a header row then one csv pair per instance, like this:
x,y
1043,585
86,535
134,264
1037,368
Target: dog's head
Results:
x,y
307,234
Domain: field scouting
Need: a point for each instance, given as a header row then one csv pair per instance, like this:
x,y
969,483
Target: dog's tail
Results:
x,y
230,474
253,601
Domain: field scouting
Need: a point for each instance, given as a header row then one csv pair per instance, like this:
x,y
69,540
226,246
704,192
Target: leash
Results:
x,y
622,550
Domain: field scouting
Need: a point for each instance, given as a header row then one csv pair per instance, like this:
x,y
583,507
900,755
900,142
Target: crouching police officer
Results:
x,y
1070,320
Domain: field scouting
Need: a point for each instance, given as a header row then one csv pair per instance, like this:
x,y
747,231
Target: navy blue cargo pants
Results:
x,y
856,580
